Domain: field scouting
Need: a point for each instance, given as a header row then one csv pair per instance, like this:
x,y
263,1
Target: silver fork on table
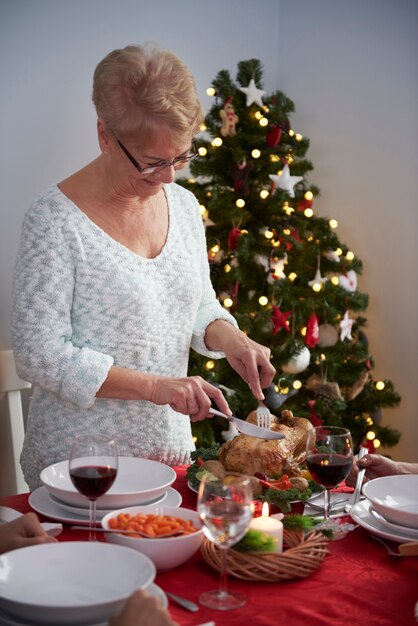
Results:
x,y
263,416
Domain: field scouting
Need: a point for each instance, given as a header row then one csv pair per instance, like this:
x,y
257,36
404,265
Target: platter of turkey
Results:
x,y
276,467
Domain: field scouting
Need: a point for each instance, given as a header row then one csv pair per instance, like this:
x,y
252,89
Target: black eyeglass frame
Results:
x,y
151,169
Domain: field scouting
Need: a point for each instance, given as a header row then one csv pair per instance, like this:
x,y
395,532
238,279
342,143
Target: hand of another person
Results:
x,y
251,360
23,531
190,395
376,466
143,610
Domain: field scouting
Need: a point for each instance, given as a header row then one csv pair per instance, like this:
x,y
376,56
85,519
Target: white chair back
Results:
x,y
11,386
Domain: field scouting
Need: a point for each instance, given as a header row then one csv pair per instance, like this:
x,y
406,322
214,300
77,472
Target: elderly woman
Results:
x,y
112,285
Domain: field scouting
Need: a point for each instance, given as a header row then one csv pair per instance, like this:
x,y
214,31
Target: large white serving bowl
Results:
x,y
168,552
73,583
138,481
395,497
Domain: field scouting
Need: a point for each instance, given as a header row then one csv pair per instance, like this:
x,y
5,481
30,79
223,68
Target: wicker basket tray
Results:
x,y
303,556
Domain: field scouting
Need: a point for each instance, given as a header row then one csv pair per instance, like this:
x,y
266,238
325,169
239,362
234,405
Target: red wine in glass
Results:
x,y
329,457
93,466
328,470
93,480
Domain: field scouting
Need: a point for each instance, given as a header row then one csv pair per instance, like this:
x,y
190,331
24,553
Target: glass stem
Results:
x,y
92,521
327,506
224,572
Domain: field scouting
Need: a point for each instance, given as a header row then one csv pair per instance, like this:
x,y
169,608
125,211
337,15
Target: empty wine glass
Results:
x,y
93,466
225,508
329,457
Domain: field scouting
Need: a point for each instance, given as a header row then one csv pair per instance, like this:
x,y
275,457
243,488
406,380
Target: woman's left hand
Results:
x,y
252,362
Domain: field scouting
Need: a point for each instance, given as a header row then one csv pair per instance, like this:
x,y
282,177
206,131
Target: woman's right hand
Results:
x,y
190,395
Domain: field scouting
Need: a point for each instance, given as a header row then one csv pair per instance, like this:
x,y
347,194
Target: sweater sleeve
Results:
x,y
210,308
41,317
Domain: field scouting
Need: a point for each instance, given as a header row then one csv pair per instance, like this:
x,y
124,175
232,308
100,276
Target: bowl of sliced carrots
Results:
x,y
173,534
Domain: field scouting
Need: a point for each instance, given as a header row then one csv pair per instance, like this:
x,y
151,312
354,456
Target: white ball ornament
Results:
x,y
298,363
328,335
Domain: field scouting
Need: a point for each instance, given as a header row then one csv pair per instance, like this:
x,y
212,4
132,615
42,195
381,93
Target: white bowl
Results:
x,y
395,497
167,552
138,481
71,583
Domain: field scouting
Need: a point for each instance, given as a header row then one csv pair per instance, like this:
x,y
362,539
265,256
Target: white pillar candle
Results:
x,y
269,526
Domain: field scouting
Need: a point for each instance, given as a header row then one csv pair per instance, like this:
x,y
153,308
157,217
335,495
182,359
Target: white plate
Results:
x,y
99,511
152,590
395,497
40,502
138,481
361,515
395,528
69,583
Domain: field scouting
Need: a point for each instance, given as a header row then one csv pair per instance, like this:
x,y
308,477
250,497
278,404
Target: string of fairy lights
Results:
x,y
316,284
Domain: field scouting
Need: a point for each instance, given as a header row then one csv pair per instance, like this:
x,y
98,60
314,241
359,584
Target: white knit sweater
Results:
x,y
83,302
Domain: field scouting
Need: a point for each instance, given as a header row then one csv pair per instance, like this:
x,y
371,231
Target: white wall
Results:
x,y
349,67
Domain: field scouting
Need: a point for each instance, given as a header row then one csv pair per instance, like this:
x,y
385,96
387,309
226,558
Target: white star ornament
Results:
x,y
346,325
285,181
253,94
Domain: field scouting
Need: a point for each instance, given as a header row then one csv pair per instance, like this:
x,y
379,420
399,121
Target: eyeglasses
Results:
x,y
152,169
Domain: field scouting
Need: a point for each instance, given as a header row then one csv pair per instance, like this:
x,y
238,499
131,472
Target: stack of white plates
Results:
x,y
138,482
390,509
71,583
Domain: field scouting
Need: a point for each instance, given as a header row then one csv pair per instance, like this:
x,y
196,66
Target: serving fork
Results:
x,y
247,428
263,416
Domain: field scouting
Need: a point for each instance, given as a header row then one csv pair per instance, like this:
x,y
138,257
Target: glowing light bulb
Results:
x,y
286,231
210,91
191,181
256,154
227,268
265,108
370,435
258,115
240,203
380,385
369,421
349,256
204,212
215,249
310,238
263,300
264,194
228,302
263,121
208,194
217,142
202,151
333,223
308,195
338,251
276,388
203,127
298,137
284,391
297,384
303,331
268,234
194,439
316,287
335,281
292,276
308,212
274,158
323,357
209,365
376,443
291,133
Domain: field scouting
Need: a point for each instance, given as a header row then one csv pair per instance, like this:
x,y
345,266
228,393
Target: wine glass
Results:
x,y
225,508
93,466
329,457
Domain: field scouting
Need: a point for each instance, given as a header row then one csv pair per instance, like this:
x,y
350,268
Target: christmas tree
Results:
x,y
280,268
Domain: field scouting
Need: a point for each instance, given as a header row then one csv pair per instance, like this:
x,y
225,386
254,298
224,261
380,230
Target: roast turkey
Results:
x,y
249,455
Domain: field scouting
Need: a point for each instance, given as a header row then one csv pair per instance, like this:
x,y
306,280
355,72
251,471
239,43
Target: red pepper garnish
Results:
x,y
200,461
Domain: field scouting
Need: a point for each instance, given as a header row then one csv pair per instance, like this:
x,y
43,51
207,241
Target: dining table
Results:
x,y
356,583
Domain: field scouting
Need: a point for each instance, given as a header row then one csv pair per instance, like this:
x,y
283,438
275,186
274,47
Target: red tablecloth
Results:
x,y
356,584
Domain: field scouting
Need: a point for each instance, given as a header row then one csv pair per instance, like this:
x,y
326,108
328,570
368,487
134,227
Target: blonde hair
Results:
x,y
139,88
